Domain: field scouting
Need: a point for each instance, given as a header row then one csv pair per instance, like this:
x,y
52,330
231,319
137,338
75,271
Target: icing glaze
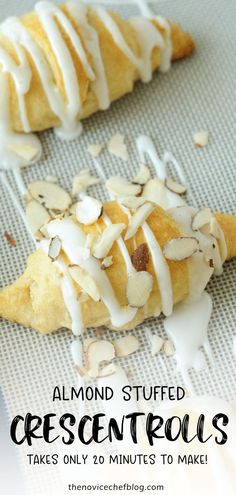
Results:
x,y
68,108
91,41
161,270
187,327
73,239
13,144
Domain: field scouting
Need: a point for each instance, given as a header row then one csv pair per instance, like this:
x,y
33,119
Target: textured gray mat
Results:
x,y
199,92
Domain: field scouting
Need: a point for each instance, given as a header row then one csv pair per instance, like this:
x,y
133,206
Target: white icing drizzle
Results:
x,y
91,42
161,270
47,13
67,109
70,297
149,38
167,46
145,147
73,239
187,327
122,246
10,141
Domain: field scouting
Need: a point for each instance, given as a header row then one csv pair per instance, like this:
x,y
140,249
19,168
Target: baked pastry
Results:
x,y
61,64
91,270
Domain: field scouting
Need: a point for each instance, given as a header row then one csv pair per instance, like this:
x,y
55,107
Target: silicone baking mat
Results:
x,y
199,92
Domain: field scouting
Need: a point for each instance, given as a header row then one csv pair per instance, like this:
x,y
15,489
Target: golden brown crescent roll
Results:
x,y
64,63
37,299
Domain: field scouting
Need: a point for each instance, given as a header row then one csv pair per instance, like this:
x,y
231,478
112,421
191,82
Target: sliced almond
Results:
x,y
83,181
169,349
126,345
108,370
143,176
140,257
180,248
120,187
106,240
85,281
116,146
36,216
133,202
26,151
155,192
73,208
90,240
201,218
108,261
201,138
94,149
88,210
54,248
87,342
81,371
214,228
98,353
137,219
157,344
174,186
139,287
51,178
50,195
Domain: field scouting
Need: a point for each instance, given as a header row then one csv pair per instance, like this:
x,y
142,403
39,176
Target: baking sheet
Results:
x,y
199,92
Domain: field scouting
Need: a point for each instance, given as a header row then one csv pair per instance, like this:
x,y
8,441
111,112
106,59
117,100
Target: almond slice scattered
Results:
x,y
83,181
85,281
140,257
26,151
180,248
51,178
201,138
49,195
90,240
54,248
73,208
36,216
133,202
87,342
214,228
89,210
155,192
106,240
201,218
175,187
116,146
139,287
157,344
99,352
120,187
138,218
126,345
108,370
143,176
169,349
94,149
108,261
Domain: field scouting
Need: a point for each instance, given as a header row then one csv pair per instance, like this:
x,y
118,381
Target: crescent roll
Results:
x,y
60,64
169,260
